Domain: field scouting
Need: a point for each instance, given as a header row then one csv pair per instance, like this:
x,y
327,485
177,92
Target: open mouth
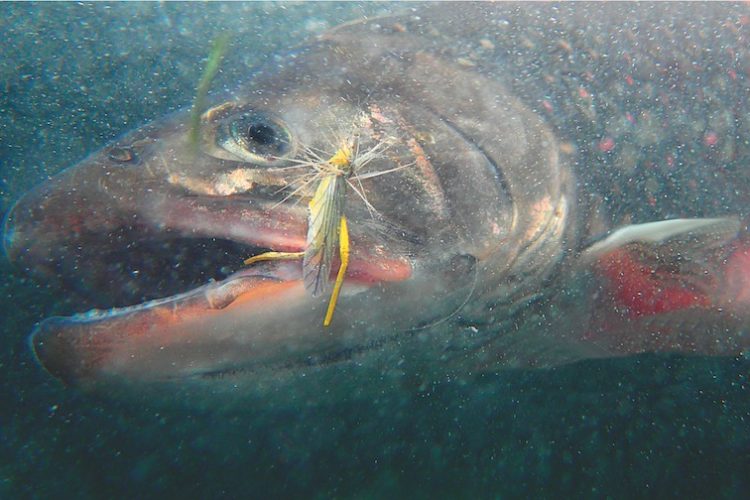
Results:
x,y
128,271
184,249
157,287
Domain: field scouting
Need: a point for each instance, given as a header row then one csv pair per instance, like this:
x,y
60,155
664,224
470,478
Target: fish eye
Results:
x,y
255,136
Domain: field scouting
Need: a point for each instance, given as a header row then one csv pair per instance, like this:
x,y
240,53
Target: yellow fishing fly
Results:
x,y
327,230
327,225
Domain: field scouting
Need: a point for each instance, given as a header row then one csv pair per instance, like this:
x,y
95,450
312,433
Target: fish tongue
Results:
x,y
225,292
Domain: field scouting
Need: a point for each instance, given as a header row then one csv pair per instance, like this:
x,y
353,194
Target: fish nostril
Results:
x,y
123,155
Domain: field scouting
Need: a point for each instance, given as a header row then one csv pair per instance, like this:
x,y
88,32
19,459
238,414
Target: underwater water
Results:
x,y
75,77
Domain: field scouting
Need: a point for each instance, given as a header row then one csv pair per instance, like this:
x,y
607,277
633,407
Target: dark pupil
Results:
x,y
261,134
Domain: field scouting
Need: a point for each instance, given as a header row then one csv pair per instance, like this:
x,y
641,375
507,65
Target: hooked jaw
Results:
x,y
251,319
166,337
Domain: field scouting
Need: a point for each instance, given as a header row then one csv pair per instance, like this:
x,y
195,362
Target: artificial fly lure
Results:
x,y
327,226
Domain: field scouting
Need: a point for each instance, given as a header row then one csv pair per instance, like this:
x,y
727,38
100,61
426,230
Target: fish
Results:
x,y
529,229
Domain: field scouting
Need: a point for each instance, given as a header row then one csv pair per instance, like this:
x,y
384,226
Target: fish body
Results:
x,y
506,125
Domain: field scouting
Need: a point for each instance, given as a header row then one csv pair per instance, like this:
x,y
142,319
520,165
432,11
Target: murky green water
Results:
x,y
75,76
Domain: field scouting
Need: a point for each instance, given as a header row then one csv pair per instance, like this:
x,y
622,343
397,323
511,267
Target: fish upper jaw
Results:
x,y
76,227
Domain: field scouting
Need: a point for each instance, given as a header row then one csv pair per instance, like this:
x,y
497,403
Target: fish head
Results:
x,y
458,202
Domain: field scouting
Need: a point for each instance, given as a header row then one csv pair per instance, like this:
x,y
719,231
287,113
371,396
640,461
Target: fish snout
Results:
x,y
22,227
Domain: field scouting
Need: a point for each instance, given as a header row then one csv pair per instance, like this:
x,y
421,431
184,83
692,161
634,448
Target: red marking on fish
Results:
x,y
737,277
606,145
711,138
645,291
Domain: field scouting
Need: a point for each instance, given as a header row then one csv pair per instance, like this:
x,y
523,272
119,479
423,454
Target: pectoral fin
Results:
x,y
664,266
671,286
682,235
